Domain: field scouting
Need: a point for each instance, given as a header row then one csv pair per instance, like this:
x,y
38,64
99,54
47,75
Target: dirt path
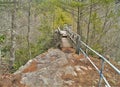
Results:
x,y
66,43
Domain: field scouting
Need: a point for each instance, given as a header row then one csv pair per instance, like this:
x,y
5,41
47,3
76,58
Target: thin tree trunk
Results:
x,y
0,56
80,24
89,22
104,25
28,32
79,30
53,18
78,21
105,21
13,43
93,35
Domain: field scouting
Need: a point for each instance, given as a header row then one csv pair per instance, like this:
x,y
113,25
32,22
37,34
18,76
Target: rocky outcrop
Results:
x,y
51,69
54,68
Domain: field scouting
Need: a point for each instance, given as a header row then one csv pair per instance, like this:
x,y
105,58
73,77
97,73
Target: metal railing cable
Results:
x,y
99,71
74,37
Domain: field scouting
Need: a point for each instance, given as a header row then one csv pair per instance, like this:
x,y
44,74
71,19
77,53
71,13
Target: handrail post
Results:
x,y
101,72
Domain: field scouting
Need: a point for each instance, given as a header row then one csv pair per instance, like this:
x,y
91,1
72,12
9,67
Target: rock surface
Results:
x,y
54,68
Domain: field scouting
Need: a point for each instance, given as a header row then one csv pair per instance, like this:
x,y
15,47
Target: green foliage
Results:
x,y
111,14
76,4
106,2
56,13
96,21
21,58
5,50
97,47
45,39
61,18
2,38
22,55
46,6
43,44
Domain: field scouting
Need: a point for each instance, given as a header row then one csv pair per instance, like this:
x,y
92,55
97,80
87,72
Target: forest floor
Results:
x,y
57,68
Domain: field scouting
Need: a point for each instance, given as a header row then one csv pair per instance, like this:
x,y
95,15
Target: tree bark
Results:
x,y
89,22
13,43
28,32
0,56
79,30
104,30
78,21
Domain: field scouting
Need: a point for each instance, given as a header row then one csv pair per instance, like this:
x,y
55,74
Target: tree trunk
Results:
x,y
0,56
13,43
73,15
28,32
78,21
89,22
104,31
79,30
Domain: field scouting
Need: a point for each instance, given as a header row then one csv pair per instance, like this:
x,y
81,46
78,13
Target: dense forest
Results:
x,y
27,27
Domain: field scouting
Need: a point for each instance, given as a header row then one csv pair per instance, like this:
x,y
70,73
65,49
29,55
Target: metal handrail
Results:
x,y
116,69
108,85
70,34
